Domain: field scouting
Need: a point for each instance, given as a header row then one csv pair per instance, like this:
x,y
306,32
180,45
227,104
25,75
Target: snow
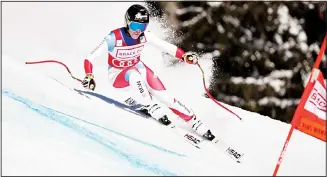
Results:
x,y
220,28
302,37
274,79
189,9
287,22
286,45
200,45
216,53
314,47
194,19
276,84
50,129
258,55
282,103
288,54
281,73
283,18
242,39
303,46
294,27
311,6
245,53
248,34
229,19
214,4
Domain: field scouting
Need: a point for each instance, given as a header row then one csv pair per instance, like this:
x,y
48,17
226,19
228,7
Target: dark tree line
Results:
x,y
262,51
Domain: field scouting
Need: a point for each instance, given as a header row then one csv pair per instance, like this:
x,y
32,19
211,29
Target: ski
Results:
x,y
196,141
187,136
192,138
228,150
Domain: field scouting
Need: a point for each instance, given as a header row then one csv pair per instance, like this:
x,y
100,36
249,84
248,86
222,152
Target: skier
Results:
x,y
127,72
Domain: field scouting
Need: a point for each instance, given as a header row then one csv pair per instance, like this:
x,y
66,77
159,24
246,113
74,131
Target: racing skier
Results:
x,y
127,72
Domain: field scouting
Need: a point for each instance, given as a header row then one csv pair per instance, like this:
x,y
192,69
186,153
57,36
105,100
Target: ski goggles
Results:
x,y
134,26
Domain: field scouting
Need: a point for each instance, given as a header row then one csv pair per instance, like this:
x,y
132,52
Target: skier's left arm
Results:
x,y
172,49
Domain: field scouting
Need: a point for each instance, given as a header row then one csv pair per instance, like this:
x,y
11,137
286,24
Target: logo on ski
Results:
x,y
130,102
192,138
234,153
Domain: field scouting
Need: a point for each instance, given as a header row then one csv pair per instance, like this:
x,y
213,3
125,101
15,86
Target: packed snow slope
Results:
x,y
50,129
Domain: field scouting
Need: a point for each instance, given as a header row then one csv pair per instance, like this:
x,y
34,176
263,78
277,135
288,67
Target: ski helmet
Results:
x,y
137,18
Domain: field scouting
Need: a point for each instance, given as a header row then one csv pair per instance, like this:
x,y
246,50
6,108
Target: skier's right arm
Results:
x,y
107,44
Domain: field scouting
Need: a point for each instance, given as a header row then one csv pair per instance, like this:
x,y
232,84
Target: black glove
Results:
x,y
88,82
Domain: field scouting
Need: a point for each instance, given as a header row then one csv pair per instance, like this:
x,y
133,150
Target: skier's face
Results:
x,y
134,34
136,29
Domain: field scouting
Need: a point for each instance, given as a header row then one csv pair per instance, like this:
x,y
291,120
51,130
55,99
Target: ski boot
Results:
x,y
199,128
208,135
164,120
144,111
156,112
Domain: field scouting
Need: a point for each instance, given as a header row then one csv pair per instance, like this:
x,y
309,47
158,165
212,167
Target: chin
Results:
x,y
135,36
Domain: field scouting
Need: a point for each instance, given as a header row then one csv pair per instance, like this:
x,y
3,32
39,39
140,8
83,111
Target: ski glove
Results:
x,y
88,82
190,58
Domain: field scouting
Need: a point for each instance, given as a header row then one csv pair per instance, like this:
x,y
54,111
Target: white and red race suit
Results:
x,y
126,71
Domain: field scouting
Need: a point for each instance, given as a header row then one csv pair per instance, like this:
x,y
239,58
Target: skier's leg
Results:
x,y
131,81
157,89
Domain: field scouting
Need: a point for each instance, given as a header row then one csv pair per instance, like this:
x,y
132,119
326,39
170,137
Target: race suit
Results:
x,y
126,71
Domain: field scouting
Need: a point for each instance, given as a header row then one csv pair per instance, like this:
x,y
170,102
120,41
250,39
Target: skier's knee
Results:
x,y
153,81
131,71
123,78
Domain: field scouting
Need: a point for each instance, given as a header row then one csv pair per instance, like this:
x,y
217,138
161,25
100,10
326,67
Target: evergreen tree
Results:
x,y
262,51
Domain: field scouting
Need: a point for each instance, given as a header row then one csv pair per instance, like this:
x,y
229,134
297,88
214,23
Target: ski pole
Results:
x,y
211,97
54,61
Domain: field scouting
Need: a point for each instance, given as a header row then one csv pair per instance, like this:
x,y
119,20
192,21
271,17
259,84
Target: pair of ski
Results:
x,y
197,142
189,137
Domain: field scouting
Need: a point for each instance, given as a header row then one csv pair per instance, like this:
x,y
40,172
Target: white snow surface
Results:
x,y
50,129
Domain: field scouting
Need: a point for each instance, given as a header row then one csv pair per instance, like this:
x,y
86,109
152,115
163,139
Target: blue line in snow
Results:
x,y
64,120
123,135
